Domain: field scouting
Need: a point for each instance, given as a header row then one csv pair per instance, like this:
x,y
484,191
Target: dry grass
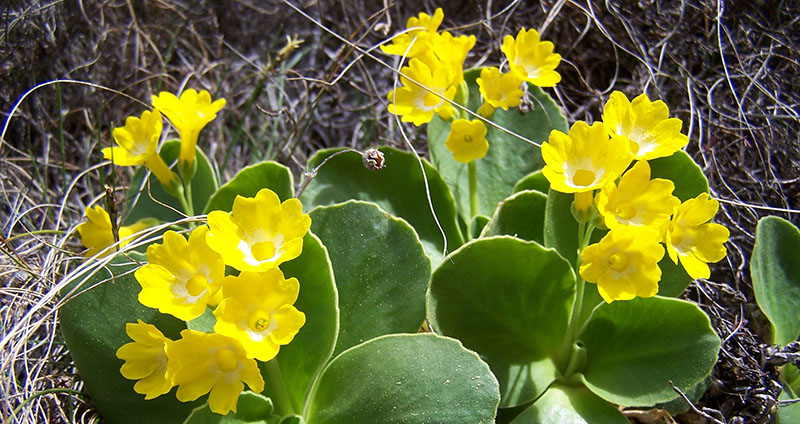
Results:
x,y
730,71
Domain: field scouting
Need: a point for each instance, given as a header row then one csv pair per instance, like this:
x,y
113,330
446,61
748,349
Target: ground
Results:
x,y
729,70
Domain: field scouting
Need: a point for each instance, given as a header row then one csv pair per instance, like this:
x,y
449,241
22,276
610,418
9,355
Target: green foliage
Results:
x,y
681,169
249,181
521,216
570,405
251,409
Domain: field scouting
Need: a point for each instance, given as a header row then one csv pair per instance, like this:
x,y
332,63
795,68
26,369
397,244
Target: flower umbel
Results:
x,y
695,241
199,363
624,264
647,124
467,140
498,90
261,232
416,104
97,233
585,159
257,310
145,359
531,59
181,278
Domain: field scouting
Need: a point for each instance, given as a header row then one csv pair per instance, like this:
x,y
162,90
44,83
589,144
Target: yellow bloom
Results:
x,y
584,160
189,115
531,59
467,140
414,103
97,234
256,310
145,359
261,232
694,240
624,264
202,362
181,278
137,142
499,90
638,201
647,124
419,30
448,52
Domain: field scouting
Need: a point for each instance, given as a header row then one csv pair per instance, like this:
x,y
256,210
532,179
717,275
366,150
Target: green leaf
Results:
x,y
570,405
405,378
251,408
509,158
398,189
787,414
302,360
634,348
683,171
508,300
674,279
93,326
139,205
775,270
249,181
521,215
534,181
380,267
560,228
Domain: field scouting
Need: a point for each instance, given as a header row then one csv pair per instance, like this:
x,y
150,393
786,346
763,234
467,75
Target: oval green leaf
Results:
x,y
249,181
775,270
634,348
252,408
521,216
405,378
508,300
570,405
399,189
681,169
380,268
534,181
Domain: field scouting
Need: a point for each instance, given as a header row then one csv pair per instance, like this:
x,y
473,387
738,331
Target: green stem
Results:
x,y
283,405
186,200
473,188
575,321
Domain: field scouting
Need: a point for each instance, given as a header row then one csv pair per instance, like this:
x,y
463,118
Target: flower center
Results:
x,y
625,211
226,360
196,285
583,177
618,261
467,138
263,251
259,320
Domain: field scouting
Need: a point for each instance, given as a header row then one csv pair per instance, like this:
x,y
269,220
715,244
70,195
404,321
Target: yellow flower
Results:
x,y
449,53
584,160
256,310
647,124
531,59
499,90
694,240
261,232
137,142
189,114
467,140
181,278
414,103
97,234
624,264
421,28
199,363
145,359
638,201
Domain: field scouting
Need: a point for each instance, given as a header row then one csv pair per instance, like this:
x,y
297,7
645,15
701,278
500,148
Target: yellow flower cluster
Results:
x,y
640,212
254,310
97,234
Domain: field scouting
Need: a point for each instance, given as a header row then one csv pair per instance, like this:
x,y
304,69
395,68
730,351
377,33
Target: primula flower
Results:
x,y
467,140
448,52
256,310
414,103
585,159
137,142
203,362
638,201
97,234
694,240
531,59
498,90
145,359
624,264
647,124
261,232
419,32
181,278
189,114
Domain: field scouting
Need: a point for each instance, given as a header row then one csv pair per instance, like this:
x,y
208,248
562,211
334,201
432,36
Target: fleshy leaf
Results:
x,y
249,181
398,189
681,169
634,348
406,378
380,268
533,181
570,405
521,215
252,408
775,270
509,301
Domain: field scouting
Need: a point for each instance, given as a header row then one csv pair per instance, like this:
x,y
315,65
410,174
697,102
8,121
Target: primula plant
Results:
x,y
540,260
